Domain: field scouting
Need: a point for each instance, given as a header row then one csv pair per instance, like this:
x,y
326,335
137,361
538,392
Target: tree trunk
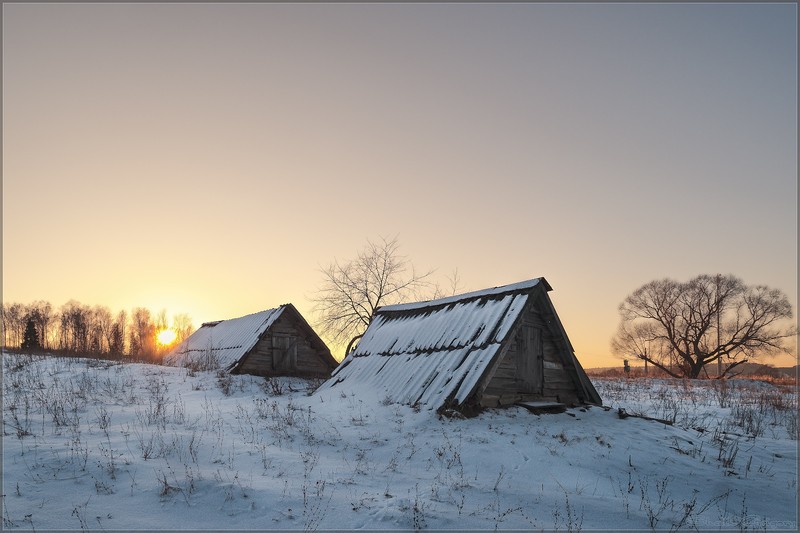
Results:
x,y
350,344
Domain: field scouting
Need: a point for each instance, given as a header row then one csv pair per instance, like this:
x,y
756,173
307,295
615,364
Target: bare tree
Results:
x,y
4,323
74,327
454,286
42,313
142,334
102,325
161,322
63,330
682,327
182,323
352,291
13,324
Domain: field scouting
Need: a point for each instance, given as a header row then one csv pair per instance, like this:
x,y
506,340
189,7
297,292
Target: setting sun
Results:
x,y
165,337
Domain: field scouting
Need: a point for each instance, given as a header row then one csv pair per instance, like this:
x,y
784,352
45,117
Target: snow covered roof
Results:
x,y
226,341
522,285
431,352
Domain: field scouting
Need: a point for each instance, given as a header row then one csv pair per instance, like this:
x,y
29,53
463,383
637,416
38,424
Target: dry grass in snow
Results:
x,y
90,444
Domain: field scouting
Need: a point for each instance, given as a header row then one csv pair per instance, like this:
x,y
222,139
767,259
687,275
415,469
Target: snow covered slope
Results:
x,y
98,445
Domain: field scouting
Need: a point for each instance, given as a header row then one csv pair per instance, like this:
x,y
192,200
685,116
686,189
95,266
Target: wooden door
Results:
x,y
530,360
284,352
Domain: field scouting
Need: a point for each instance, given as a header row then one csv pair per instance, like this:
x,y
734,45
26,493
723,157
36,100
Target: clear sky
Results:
x,y
210,158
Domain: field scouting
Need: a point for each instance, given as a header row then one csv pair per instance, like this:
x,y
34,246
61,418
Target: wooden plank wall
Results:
x,y
308,360
506,387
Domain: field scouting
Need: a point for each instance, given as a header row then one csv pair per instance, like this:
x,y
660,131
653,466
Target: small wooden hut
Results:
x,y
488,348
275,342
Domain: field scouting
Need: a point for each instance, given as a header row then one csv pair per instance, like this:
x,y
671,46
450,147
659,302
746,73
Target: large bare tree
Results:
x,y
353,290
682,327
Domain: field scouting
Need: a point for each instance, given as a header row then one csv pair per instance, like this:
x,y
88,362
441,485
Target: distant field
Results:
x,y
747,371
91,444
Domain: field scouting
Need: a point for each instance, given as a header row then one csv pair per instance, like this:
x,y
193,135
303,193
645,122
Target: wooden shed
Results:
x,y
488,348
275,342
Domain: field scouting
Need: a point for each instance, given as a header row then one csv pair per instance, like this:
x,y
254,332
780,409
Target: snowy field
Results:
x,y
99,445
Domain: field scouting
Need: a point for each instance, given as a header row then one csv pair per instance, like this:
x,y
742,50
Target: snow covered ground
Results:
x,y
99,445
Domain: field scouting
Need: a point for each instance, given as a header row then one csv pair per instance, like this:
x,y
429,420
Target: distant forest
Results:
x,y
91,330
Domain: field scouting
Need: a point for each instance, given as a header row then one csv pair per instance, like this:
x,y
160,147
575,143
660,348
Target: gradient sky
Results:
x,y
210,158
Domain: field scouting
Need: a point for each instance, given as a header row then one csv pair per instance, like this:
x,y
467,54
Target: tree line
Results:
x,y
677,327
76,328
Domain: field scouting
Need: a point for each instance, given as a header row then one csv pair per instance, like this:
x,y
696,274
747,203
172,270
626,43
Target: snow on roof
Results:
x,y
522,285
431,352
227,341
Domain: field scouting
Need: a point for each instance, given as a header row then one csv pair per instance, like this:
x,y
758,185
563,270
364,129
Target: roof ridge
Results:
x,y
494,291
215,322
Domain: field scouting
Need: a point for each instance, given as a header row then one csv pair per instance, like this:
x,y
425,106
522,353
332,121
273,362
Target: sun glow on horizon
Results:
x,y
165,337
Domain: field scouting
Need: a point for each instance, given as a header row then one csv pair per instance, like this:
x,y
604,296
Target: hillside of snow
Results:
x,y
100,445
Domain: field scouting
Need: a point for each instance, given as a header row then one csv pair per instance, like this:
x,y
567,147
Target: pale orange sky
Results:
x,y
209,158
